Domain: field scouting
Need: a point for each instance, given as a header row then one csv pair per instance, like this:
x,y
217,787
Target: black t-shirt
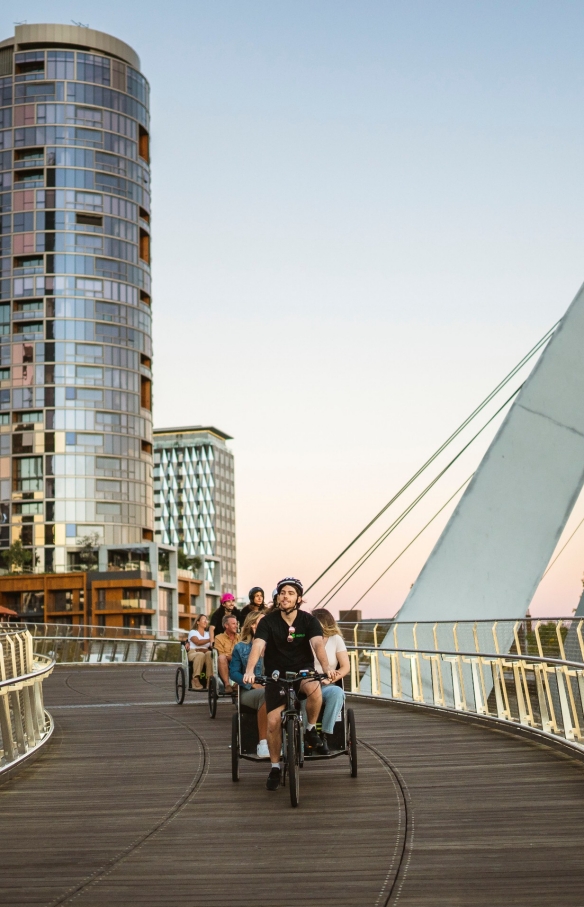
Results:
x,y
217,618
281,655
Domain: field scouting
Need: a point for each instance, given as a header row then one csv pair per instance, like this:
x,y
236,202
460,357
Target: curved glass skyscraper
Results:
x,y
75,317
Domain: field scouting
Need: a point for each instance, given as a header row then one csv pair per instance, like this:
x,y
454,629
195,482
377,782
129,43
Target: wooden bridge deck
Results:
x,y
133,804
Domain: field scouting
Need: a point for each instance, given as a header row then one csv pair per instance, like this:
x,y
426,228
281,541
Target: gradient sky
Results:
x,y
364,213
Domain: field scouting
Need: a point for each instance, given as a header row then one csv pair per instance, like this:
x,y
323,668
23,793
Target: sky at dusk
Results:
x,y
364,214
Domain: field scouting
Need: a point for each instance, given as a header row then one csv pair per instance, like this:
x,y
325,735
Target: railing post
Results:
x,y
354,661
564,707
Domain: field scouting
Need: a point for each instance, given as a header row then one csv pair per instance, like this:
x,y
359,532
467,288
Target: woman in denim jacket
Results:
x,y
251,695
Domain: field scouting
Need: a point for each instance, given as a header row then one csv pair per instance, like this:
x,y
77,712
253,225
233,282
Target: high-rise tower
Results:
x,y
75,323
194,497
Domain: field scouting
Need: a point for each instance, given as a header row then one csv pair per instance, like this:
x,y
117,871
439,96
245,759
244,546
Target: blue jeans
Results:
x,y
333,698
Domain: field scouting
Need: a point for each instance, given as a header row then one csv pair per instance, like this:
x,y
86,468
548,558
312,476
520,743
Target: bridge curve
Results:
x,y
134,803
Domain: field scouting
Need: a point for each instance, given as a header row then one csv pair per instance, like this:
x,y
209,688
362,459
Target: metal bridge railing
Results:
x,y
89,650
76,631
544,694
544,637
24,723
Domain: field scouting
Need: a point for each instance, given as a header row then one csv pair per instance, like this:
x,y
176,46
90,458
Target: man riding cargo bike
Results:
x,y
284,639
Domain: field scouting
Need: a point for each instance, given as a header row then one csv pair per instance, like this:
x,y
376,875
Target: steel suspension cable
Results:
x,y
409,545
379,541
532,352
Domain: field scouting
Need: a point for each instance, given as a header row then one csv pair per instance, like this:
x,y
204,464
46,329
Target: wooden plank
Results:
x,y
134,803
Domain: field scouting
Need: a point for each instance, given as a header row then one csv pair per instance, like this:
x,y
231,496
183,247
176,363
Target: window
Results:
x,y
106,508
108,485
32,602
28,507
144,145
145,393
60,64
29,264
91,68
27,417
28,157
29,65
28,473
145,246
90,372
91,220
62,600
29,178
83,439
37,91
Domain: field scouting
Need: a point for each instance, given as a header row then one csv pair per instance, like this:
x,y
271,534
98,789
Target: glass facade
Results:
x,y
75,303
194,494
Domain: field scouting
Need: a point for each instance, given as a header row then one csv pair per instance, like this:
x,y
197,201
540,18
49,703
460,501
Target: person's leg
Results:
x,y
208,666
198,660
263,722
332,697
312,689
223,667
274,733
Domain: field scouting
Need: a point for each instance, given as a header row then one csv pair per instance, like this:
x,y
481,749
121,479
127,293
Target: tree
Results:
x,y
188,563
88,551
16,557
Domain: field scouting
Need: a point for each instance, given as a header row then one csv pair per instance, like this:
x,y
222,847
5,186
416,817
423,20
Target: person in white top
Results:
x,y
199,651
333,696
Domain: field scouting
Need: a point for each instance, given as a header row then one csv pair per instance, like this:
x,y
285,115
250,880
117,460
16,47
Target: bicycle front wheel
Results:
x,y
293,759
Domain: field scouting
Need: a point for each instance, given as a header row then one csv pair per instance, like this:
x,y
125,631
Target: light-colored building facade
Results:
x,y
194,497
75,304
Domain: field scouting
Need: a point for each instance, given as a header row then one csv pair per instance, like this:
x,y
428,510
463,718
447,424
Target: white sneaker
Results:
x,y
262,749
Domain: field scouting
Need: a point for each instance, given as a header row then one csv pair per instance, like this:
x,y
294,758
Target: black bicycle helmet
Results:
x,y
252,593
291,581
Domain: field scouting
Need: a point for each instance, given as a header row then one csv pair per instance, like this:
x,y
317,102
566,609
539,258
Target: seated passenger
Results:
x,y
251,695
256,603
333,696
224,644
199,651
226,608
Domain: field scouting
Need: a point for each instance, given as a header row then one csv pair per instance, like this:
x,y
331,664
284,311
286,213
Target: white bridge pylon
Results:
x,y
497,544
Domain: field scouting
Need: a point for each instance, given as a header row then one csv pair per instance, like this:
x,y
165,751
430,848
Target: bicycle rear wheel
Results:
x,y
352,742
235,747
293,760
179,686
212,696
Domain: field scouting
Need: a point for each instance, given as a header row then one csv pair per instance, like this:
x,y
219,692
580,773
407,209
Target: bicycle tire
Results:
x,y
352,742
235,747
179,686
293,761
212,696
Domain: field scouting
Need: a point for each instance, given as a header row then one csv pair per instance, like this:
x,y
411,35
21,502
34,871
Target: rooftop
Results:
x,y
193,429
54,35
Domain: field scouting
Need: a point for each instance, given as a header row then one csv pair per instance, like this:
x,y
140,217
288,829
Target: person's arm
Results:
x,y
344,664
257,650
317,643
213,625
236,669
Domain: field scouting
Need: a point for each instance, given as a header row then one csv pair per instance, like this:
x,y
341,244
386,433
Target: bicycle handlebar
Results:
x,y
277,677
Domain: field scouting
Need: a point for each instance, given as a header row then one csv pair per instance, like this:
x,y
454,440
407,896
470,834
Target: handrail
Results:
x,y
536,694
552,637
69,650
33,675
25,726
509,656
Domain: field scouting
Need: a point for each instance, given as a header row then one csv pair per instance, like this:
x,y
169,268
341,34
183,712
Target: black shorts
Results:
x,y
276,694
